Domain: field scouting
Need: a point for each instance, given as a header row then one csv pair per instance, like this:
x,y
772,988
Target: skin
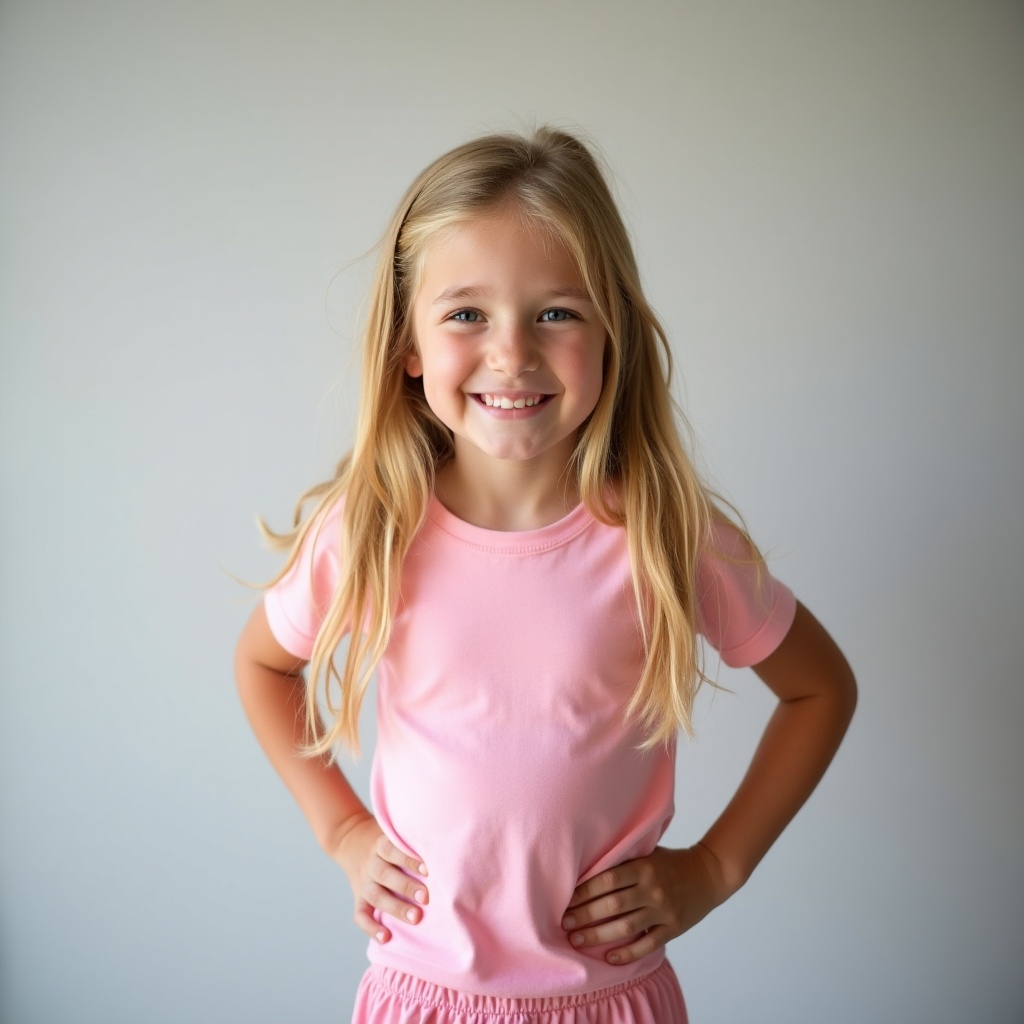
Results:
x,y
500,310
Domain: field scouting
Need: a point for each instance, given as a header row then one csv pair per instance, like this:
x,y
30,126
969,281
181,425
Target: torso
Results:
x,y
502,758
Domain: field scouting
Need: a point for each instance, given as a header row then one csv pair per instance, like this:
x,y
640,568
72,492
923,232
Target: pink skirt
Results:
x,y
387,996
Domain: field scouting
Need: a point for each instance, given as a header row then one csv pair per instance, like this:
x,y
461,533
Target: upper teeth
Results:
x,y
509,403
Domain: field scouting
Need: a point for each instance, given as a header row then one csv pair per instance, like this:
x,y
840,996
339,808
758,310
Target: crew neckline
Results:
x,y
511,541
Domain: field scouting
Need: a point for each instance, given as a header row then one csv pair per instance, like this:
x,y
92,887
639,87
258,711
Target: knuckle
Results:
x,y
364,919
383,846
625,928
658,896
392,906
615,903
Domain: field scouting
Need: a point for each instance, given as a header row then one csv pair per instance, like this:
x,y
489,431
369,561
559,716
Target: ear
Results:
x,y
413,364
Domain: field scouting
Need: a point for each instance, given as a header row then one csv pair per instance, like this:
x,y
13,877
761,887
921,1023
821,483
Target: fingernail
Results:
x,y
577,939
410,915
421,895
613,958
568,921
379,937
423,870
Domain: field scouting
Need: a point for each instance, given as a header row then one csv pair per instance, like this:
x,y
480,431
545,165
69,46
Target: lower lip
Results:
x,y
511,414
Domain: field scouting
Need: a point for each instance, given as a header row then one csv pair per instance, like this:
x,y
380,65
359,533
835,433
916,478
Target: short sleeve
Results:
x,y
743,611
297,603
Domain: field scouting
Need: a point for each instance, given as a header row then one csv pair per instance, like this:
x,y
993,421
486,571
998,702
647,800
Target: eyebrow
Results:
x,y
458,292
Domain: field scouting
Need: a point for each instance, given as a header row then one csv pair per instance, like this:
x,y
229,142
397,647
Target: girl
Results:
x,y
530,557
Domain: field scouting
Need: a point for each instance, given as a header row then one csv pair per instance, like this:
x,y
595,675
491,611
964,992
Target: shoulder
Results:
x,y
743,611
318,543
297,602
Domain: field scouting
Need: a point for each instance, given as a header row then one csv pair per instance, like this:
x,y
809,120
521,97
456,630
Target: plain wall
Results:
x,y
828,203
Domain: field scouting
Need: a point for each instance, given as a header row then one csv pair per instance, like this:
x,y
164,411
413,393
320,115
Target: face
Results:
x,y
507,342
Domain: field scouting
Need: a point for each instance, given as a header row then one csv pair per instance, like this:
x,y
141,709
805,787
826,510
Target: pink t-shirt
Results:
x,y
502,758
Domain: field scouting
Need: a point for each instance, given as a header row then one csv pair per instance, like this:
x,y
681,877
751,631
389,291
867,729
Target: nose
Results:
x,y
513,351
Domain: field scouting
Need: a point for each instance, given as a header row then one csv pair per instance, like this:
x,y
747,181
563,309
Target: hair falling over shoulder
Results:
x,y
632,466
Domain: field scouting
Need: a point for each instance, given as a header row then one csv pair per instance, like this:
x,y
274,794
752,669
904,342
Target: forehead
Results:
x,y
497,248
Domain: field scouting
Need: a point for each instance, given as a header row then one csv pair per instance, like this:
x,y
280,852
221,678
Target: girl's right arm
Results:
x,y
272,689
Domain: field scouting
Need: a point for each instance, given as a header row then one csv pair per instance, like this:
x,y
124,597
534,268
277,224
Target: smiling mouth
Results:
x,y
506,402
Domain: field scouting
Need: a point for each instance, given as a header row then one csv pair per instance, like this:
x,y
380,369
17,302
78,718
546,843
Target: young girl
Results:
x,y
530,558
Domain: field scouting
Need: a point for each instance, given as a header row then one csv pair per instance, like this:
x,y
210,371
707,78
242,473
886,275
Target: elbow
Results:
x,y
846,692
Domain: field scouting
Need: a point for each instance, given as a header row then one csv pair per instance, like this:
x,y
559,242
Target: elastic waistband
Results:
x,y
655,997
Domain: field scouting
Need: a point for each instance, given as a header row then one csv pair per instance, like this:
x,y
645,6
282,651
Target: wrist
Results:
x,y
333,841
728,877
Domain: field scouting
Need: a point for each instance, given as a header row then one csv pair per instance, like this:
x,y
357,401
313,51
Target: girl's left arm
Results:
x,y
646,902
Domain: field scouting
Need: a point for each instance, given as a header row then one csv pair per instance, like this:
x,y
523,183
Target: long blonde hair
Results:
x,y
633,469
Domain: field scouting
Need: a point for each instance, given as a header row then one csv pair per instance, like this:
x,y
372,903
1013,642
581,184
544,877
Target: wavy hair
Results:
x,y
632,467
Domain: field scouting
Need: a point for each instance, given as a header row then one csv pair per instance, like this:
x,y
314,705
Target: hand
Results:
x,y
382,877
647,902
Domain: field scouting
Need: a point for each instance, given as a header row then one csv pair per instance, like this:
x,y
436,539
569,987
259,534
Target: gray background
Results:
x,y
828,202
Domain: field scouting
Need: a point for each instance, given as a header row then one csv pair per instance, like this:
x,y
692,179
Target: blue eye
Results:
x,y
465,316
556,316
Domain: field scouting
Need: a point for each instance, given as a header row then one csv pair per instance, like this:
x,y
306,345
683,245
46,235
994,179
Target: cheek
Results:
x,y
594,391
445,374
593,386
587,370
448,362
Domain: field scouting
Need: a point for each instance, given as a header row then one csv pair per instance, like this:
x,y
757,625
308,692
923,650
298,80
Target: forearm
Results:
x,y
817,698
274,704
796,748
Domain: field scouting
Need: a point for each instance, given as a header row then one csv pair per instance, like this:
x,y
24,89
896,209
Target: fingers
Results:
x,y
615,904
640,926
387,850
390,869
636,906
617,917
388,889
616,878
615,892
625,926
365,920
644,946
384,900
395,893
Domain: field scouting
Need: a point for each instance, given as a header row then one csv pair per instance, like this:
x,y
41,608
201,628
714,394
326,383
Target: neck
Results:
x,y
507,495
